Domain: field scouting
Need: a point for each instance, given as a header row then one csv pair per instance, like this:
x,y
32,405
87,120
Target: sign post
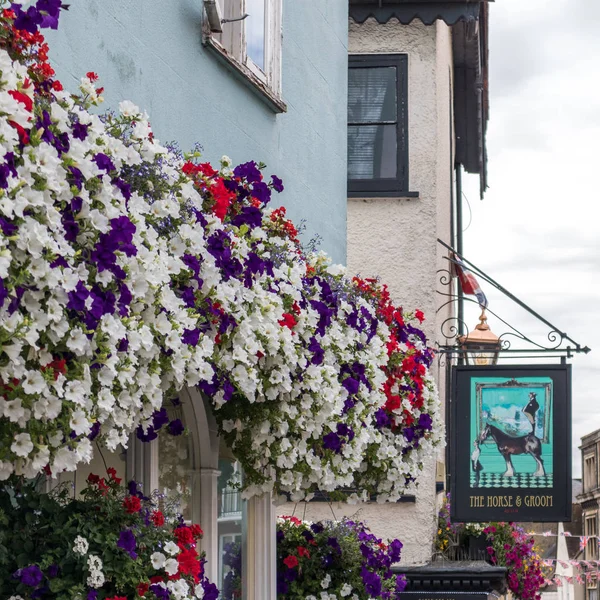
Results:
x,y
510,443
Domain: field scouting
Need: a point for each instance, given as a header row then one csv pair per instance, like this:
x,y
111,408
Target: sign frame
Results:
x,y
510,443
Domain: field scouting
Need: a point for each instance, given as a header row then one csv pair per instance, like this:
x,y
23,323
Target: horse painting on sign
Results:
x,y
511,430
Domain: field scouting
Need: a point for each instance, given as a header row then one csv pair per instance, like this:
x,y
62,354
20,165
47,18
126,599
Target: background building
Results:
x,y
590,502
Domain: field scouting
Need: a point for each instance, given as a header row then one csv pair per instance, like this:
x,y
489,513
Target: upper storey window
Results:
x,y
377,125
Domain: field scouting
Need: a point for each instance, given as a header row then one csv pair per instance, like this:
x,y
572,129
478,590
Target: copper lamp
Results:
x,y
481,345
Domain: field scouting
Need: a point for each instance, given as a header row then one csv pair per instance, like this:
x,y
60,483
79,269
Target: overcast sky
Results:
x,y
537,231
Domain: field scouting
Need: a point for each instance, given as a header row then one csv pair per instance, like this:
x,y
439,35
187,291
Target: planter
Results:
x,y
476,547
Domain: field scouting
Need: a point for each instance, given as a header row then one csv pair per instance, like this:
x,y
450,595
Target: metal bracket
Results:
x,y
557,344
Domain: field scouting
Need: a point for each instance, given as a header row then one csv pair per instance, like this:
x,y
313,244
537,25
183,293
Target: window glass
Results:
x,y
372,95
372,152
231,522
175,463
377,125
255,32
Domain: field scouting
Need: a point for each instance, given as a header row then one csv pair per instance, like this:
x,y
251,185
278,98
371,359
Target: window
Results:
x,y
377,125
591,530
250,43
589,474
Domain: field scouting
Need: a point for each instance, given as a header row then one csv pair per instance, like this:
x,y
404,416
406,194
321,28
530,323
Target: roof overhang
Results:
x,y
469,22
450,12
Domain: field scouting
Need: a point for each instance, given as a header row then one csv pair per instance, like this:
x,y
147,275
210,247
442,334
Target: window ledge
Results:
x,y
391,195
246,76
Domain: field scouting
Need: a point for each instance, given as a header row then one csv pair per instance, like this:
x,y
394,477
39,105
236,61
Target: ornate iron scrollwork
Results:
x,y
512,340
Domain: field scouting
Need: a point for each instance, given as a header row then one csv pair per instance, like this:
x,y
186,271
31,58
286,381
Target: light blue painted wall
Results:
x,y
150,52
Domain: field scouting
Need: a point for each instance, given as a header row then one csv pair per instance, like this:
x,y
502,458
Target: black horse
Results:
x,y
508,445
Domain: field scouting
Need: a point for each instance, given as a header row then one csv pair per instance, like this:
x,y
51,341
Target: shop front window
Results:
x,y
230,525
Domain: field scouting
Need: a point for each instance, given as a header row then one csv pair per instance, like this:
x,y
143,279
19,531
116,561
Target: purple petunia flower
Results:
x,y
277,183
146,436
104,162
372,582
27,20
176,427
94,431
351,385
80,131
127,542
191,337
160,592
248,171
53,571
425,421
31,575
92,595
332,441
159,418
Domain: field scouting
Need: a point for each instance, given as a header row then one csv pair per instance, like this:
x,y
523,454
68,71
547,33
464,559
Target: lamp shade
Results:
x,y
481,346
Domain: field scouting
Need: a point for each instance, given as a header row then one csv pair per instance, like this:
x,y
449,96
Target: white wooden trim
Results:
x,y
260,554
208,519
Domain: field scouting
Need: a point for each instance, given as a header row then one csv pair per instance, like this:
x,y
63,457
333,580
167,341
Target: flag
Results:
x,y
468,282
583,540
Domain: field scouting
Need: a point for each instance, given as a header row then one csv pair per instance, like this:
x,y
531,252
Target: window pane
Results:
x,y
372,94
255,32
230,526
175,465
372,152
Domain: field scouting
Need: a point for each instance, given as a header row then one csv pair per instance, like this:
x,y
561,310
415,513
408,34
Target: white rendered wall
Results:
x,y
396,239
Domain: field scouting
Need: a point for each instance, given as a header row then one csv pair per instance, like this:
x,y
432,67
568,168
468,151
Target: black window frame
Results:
x,y
387,187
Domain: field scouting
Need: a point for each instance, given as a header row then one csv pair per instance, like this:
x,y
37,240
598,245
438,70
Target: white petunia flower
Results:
x,y
158,560
22,446
172,548
80,546
171,566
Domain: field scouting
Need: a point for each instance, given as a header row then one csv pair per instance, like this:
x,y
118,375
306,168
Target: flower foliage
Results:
x,y
510,547
111,543
329,560
128,271
507,546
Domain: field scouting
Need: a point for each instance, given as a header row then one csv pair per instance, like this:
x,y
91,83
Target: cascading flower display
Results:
x,y
335,560
129,270
326,560
510,547
110,543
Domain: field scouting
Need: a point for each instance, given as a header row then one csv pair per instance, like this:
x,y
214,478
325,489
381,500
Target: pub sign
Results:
x,y
510,443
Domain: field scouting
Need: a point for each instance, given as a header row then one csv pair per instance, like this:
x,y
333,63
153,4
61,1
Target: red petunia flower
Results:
x,y
157,518
184,535
197,531
302,551
23,99
93,479
290,562
419,315
92,76
188,562
288,320
142,588
112,473
132,504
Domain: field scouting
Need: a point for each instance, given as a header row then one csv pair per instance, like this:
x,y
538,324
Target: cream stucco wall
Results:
x,y
396,239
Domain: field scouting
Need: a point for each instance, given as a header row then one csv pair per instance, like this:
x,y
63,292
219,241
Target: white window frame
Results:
x,y
230,46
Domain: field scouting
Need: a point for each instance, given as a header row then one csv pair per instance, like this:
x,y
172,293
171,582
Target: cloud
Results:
x,y
537,232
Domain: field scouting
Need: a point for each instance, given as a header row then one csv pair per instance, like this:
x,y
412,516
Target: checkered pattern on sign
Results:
x,y
520,480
